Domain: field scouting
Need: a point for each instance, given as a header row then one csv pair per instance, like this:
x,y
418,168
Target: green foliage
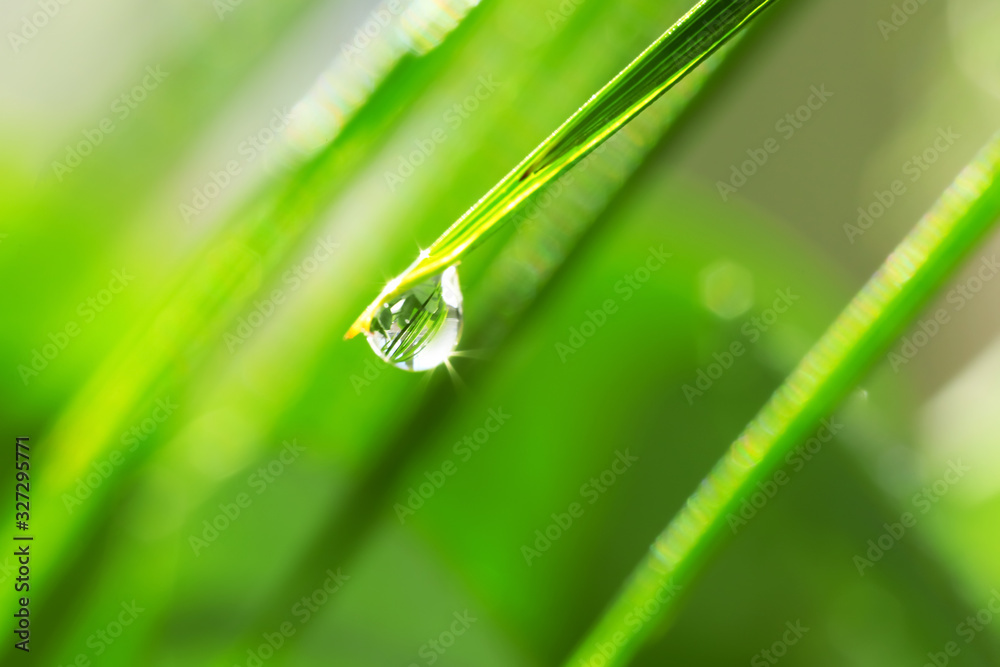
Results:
x,y
210,450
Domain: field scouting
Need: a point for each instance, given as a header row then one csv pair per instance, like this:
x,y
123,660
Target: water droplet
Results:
x,y
418,329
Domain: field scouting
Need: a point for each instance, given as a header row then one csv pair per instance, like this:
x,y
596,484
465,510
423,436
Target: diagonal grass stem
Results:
x,y
698,34
852,344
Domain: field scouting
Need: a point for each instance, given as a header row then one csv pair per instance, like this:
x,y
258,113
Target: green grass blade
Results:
x,y
694,37
852,344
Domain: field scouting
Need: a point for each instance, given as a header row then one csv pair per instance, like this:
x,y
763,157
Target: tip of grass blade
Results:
x,y
359,326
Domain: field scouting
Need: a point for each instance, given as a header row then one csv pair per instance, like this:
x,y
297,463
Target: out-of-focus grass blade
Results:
x,y
905,281
190,320
111,182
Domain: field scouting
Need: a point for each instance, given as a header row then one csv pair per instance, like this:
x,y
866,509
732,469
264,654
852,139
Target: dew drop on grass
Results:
x,y
418,329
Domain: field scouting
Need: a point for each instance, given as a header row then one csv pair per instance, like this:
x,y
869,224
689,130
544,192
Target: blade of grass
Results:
x,y
693,38
852,344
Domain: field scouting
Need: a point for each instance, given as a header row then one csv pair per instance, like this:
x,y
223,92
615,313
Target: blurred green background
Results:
x,y
198,198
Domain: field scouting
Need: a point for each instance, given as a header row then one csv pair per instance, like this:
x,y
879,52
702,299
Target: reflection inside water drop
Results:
x,y
418,329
